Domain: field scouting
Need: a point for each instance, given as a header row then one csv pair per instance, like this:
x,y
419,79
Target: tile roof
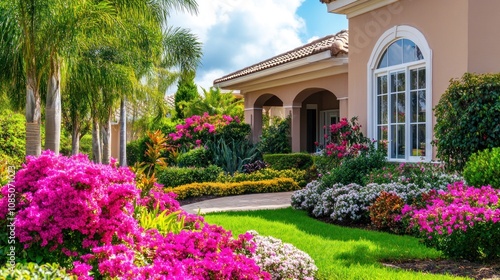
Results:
x,y
337,44
326,1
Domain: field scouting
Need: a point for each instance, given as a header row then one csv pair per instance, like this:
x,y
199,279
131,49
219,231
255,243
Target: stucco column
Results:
x,y
294,113
253,117
343,111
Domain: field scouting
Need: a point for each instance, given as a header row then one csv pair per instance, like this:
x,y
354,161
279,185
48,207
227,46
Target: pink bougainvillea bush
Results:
x,y
463,222
81,215
197,130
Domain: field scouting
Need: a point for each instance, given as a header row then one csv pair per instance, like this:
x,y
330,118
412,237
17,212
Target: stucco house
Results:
x,y
390,69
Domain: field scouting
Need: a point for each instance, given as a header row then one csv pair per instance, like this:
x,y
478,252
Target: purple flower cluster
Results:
x,y
73,203
459,208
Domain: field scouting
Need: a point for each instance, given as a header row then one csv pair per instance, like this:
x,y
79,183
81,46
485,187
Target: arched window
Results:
x,y
400,99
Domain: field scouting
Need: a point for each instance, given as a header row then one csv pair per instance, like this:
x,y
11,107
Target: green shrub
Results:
x,y
176,176
299,176
276,137
136,150
483,168
226,189
198,157
301,161
86,145
468,118
35,271
237,131
12,137
354,170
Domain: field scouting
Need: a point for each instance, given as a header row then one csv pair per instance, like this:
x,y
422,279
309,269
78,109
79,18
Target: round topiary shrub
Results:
x,y
467,117
197,157
483,168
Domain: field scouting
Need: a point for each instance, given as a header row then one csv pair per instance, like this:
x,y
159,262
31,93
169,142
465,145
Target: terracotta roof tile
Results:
x,y
337,44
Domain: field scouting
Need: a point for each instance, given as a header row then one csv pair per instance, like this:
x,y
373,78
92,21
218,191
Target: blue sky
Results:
x,y
239,33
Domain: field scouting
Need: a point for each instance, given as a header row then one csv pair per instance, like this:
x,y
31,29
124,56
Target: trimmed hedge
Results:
x,y
197,157
226,189
301,161
177,176
299,176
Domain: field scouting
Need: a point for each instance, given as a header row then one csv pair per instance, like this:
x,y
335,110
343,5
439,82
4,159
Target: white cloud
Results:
x,y
239,33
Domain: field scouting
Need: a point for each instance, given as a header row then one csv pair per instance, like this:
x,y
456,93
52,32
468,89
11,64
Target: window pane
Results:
x,y
421,106
382,132
395,53
401,102
393,108
393,82
383,60
421,136
382,109
414,106
418,140
401,141
401,82
381,85
397,141
413,79
421,78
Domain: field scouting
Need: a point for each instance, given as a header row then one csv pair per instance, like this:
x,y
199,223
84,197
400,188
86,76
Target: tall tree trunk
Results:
x,y
53,107
33,116
75,137
123,132
96,141
106,138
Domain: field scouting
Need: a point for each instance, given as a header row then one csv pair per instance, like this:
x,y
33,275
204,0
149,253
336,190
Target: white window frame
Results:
x,y
388,37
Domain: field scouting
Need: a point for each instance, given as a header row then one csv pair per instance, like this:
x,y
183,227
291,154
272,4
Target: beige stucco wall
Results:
x,y
445,27
484,36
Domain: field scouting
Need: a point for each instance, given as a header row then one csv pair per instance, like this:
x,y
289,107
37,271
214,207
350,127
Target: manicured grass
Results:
x,y
339,252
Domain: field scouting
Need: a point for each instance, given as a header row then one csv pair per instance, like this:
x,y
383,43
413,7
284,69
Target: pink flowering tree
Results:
x,y
463,222
197,130
81,215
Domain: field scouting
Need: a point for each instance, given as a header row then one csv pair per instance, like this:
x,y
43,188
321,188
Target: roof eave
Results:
x,y
303,62
352,8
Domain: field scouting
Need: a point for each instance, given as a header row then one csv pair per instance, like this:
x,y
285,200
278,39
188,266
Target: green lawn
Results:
x,y
339,252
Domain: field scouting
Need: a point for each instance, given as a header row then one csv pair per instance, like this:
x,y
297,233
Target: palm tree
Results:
x,y
215,102
34,35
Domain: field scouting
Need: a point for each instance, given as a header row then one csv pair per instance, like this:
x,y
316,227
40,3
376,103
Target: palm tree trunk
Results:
x,y
33,116
123,132
53,107
75,137
106,139
96,141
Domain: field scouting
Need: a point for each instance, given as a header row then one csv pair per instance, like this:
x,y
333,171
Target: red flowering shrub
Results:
x,y
385,211
346,139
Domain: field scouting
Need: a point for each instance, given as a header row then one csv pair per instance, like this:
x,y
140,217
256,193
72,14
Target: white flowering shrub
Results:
x,y
308,197
282,260
349,203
